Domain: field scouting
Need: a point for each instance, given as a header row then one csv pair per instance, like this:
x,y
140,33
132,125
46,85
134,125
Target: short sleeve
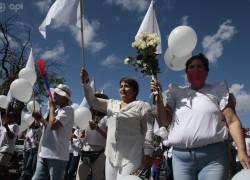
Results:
x,y
103,123
222,94
65,115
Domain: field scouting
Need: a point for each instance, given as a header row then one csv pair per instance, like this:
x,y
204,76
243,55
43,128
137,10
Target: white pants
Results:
x,y
117,172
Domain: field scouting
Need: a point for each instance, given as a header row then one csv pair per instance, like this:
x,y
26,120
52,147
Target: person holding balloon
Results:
x,y
93,145
54,146
130,128
195,117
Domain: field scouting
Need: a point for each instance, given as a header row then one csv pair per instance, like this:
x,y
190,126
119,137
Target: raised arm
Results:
x,y
163,112
97,103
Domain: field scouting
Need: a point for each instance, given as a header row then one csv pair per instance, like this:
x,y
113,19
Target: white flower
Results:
x,y
142,45
127,60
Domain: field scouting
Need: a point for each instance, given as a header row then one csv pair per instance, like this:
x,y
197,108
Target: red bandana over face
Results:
x,y
197,77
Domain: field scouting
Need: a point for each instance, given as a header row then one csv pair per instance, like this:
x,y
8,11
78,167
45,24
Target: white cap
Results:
x,y
63,90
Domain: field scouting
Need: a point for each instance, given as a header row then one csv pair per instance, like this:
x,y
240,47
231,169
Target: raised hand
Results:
x,y
84,76
155,86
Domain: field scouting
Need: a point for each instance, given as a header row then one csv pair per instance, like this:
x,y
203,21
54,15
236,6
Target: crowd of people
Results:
x,y
200,120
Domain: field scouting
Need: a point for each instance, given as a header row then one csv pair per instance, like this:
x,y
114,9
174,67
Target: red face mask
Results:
x,y
196,78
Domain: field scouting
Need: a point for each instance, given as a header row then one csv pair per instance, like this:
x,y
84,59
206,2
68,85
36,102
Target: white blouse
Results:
x,y
197,118
130,130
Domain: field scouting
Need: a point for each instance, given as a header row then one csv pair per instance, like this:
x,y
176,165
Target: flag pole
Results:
x,y
82,35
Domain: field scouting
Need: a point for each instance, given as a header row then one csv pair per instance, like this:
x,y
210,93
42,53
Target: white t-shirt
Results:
x,y
55,143
95,138
32,138
197,119
7,144
75,146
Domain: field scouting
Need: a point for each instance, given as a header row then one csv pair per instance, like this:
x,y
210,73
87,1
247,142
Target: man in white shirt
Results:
x,y
54,147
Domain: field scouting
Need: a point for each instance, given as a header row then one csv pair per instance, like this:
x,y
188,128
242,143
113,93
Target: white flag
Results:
x,y
150,25
84,103
31,61
65,11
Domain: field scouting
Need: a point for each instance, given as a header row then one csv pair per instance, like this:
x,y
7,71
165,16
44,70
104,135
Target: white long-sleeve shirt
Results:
x,y
130,130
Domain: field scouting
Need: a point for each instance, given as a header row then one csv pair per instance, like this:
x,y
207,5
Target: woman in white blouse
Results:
x,y
130,128
195,116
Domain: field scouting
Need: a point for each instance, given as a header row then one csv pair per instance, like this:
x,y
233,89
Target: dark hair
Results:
x,y
101,95
133,83
200,57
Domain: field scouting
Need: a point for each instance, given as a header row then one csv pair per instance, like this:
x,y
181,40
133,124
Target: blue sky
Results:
x,y
222,27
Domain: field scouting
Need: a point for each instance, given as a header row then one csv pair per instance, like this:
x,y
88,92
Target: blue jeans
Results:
x,y
29,162
155,172
204,163
52,169
72,167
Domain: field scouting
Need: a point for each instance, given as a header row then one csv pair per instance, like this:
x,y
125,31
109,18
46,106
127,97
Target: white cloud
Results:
x,y
56,53
43,5
12,42
106,86
90,33
242,98
130,5
110,61
213,44
184,20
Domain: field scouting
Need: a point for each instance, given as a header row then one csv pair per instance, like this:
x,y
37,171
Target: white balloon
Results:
x,y
182,41
4,101
30,107
21,89
82,117
131,177
175,63
75,106
26,121
28,74
244,174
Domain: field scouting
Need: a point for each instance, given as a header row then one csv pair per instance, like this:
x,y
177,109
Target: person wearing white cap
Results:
x,y
54,145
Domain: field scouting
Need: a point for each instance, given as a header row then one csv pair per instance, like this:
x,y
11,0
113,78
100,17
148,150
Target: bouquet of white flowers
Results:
x,y
146,60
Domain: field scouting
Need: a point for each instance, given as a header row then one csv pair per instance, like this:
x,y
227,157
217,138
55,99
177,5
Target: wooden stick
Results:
x,y
82,35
